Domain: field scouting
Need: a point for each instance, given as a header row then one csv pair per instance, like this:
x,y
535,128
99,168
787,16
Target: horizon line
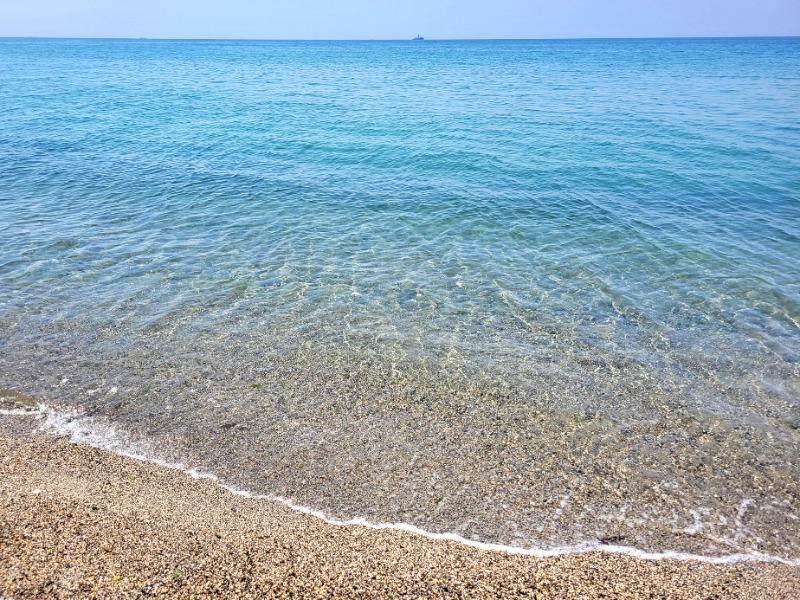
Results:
x,y
510,39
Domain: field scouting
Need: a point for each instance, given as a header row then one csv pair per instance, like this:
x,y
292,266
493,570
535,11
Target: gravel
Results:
x,y
77,522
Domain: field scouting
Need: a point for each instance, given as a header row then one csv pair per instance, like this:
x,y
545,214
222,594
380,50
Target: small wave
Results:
x,y
103,435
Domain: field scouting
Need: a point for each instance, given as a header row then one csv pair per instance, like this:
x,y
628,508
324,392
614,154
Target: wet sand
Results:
x,y
80,522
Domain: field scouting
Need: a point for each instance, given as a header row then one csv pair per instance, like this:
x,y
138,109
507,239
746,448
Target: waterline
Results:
x,y
103,436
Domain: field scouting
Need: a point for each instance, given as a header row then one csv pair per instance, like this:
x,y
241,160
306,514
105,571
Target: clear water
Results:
x,y
536,293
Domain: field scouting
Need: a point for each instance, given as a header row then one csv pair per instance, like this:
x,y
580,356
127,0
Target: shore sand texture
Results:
x,y
77,522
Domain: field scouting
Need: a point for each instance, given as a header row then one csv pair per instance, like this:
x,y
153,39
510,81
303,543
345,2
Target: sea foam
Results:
x,y
104,435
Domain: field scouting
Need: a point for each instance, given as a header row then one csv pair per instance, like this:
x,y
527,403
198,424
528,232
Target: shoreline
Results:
x,y
82,431
158,531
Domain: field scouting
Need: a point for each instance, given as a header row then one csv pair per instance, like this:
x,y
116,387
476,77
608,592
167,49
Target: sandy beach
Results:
x,y
77,522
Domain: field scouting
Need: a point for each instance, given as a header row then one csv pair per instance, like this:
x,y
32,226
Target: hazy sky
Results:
x,y
397,19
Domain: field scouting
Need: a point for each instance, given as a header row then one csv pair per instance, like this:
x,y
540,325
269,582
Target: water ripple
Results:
x,y
532,293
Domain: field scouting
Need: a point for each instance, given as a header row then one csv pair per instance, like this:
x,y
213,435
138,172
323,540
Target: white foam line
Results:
x,y
104,437
19,412
535,552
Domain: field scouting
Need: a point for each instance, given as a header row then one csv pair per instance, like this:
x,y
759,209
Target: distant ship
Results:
x,y
419,38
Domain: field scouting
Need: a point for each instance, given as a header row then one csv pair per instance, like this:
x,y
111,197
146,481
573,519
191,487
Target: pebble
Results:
x,y
171,536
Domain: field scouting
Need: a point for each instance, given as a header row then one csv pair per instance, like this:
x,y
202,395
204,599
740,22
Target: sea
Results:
x,y
538,295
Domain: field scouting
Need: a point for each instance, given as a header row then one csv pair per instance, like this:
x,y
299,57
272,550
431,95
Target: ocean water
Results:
x,y
535,293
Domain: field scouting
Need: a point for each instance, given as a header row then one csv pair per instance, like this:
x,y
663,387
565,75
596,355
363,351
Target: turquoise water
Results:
x,y
540,293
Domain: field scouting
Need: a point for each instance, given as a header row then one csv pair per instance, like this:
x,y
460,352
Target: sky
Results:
x,y
397,19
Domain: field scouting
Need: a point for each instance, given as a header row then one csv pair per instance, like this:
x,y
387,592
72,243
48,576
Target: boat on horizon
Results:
x,y
419,38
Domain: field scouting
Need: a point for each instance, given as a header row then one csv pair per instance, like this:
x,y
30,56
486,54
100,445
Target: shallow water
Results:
x,y
534,293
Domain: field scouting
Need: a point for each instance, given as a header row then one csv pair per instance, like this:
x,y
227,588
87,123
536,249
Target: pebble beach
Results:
x,y
78,522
